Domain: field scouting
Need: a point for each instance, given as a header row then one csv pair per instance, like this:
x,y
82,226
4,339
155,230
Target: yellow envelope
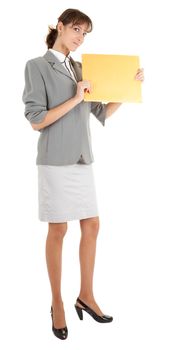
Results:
x,y
112,77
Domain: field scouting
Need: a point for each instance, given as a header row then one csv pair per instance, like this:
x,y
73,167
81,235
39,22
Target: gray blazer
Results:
x,y
48,84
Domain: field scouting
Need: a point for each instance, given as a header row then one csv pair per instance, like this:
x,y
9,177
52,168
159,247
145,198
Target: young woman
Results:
x,y
54,105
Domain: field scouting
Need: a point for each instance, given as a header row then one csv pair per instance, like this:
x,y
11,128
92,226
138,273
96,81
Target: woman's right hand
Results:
x,y
82,87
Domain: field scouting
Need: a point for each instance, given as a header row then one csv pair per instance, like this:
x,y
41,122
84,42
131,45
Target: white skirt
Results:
x,y
66,193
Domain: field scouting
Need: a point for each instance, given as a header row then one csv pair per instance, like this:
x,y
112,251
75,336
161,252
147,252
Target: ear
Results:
x,y
60,26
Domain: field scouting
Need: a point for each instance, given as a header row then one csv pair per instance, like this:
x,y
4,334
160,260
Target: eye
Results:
x,y
76,29
84,34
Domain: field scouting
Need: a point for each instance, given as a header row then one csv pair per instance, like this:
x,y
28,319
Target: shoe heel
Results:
x,y
79,312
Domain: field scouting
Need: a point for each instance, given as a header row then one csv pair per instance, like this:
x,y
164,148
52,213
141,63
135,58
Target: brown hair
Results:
x,y
73,16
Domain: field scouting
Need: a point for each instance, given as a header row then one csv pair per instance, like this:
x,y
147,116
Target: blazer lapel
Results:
x,y
77,68
56,65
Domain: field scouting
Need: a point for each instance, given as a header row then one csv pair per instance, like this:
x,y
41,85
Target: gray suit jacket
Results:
x,y
48,84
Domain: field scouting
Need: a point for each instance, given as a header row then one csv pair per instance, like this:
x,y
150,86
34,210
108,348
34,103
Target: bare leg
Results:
x,y
54,243
87,252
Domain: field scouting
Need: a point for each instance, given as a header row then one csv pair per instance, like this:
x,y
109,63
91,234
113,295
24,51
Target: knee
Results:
x,y
91,226
94,225
57,231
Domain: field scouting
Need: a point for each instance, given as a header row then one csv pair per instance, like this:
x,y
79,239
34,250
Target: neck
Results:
x,y
58,46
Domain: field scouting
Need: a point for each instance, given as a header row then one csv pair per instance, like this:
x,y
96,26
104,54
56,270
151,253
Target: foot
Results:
x,y
58,315
91,303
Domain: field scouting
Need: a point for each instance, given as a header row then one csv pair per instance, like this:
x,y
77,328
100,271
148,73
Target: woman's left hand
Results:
x,y
140,74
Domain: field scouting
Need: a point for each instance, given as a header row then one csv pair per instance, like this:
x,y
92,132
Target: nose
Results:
x,y
80,38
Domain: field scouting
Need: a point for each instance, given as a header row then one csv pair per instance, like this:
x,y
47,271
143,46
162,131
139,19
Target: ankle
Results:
x,y
57,301
86,297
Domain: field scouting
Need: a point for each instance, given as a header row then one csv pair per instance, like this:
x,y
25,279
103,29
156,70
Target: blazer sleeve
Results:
x,y
98,109
34,94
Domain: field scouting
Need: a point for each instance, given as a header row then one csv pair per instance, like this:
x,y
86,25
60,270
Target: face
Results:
x,y
71,36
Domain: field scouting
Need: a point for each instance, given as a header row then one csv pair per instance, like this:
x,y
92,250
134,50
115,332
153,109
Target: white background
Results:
x,y
131,174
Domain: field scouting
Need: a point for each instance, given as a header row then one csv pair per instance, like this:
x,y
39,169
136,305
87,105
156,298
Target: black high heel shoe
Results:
x,y
101,319
60,333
